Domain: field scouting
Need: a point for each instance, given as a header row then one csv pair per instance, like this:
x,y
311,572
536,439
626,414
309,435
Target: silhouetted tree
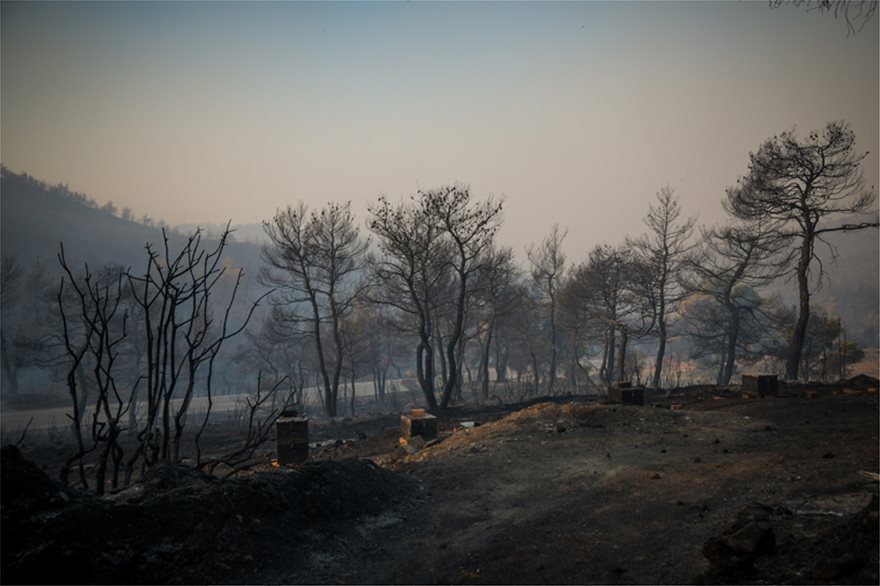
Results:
x,y
826,354
470,228
93,329
547,262
184,334
496,292
10,292
621,290
856,13
109,208
409,271
528,335
665,249
26,335
314,260
433,245
729,263
580,318
802,185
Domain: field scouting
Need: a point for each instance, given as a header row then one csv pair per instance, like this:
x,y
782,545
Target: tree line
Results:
x,y
434,275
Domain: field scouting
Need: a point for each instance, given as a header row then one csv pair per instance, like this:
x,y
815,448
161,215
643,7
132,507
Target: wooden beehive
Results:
x,y
762,385
418,422
627,395
292,437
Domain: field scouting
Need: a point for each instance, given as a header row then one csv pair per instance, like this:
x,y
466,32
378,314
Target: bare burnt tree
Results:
x,y
527,336
621,288
826,352
385,342
11,276
665,249
729,263
184,334
443,320
357,339
597,285
803,185
547,262
409,270
431,246
372,340
585,331
470,228
314,260
856,13
26,338
94,328
498,297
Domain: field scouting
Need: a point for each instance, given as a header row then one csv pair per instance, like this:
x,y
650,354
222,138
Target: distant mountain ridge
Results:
x,y
35,218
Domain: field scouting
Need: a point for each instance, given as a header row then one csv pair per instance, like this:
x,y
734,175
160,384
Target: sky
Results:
x,y
577,113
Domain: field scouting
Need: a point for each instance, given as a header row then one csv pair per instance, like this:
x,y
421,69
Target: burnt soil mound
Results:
x,y
180,526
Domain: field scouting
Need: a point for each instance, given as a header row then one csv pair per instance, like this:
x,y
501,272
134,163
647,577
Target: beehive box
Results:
x,y
418,422
627,395
761,385
292,437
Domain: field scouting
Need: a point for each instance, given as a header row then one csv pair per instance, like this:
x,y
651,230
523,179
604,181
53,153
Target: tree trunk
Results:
x,y
610,366
353,392
621,358
459,374
425,373
132,410
552,379
329,399
730,349
338,346
799,333
661,348
722,361
444,374
383,378
535,374
501,356
453,344
9,371
166,427
483,375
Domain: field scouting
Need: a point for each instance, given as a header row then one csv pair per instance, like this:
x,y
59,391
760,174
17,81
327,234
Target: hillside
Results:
x,y
35,218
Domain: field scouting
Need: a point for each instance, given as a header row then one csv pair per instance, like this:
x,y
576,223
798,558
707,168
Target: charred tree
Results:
x,y
802,185
547,269
314,260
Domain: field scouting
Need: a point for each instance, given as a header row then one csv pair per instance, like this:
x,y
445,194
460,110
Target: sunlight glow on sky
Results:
x,y
577,112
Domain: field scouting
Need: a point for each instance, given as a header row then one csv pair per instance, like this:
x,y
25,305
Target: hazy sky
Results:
x,y
576,112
